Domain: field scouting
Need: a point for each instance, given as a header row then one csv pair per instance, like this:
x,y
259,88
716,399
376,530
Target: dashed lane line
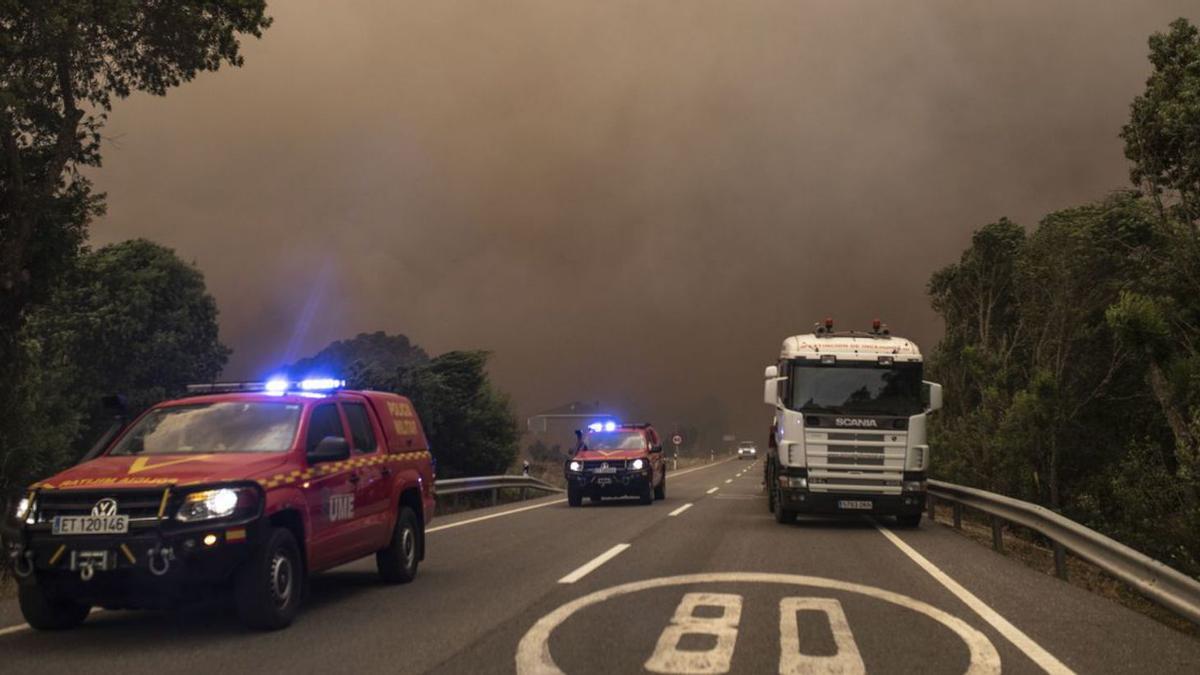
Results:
x,y
681,509
591,565
712,490
1033,650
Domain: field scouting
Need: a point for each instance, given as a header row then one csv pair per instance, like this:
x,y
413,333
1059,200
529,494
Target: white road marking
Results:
x,y
680,510
460,523
712,490
509,512
728,481
533,652
669,658
847,660
589,567
14,629
1033,650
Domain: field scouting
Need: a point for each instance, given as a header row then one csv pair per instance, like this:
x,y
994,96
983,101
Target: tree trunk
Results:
x,y
1185,441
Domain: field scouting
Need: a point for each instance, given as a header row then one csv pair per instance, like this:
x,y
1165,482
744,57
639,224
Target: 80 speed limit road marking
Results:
x,y
534,657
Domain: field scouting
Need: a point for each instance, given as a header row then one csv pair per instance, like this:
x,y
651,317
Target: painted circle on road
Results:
x,y
534,657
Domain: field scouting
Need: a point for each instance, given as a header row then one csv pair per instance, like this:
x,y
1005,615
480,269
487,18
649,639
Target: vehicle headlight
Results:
x,y
575,466
210,504
638,464
24,508
913,486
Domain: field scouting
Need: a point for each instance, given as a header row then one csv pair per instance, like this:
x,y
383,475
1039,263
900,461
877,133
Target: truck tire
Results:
x,y
397,564
909,521
770,484
660,491
269,586
646,496
43,611
782,515
574,496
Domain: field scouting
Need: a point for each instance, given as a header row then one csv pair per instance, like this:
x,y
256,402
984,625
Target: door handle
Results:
x,y
387,471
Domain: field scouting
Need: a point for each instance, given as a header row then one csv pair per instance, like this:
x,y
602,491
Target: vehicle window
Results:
x,y
325,421
213,427
615,440
360,427
848,389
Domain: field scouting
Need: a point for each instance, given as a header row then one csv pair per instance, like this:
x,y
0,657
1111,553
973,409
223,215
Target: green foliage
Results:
x,y
134,319
470,424
1162,138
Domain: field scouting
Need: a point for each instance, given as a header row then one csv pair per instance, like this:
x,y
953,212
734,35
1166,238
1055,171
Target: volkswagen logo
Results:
x,y
105,507
604,465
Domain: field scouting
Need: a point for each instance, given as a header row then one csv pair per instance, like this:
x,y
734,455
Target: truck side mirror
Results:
x,y
771,385
933,396
330,449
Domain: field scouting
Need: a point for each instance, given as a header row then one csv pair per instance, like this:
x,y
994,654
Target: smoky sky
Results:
x,y
630,202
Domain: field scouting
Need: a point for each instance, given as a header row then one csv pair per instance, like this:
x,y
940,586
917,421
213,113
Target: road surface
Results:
x,y
704,581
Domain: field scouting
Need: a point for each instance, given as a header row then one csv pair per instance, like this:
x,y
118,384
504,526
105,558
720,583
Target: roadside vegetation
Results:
x,y
1071,355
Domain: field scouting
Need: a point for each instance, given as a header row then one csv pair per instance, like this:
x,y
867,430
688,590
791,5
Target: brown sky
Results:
x,y
626,201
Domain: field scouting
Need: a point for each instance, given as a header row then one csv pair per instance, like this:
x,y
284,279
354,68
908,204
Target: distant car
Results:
x,y
620,460
747,451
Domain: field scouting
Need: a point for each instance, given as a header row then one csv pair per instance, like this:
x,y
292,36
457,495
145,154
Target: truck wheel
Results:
x,y
660,492
782,515
770,493
909,521
574,496
647,494
397,564
268,587
46,612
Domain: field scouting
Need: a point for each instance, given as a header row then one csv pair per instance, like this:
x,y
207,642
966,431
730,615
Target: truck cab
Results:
x,y
848,435
243,487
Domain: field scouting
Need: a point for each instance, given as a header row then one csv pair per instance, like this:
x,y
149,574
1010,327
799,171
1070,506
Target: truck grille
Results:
x,y
856,461
137,504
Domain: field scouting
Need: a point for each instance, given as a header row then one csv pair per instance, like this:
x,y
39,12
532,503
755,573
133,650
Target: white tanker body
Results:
x,y
849,431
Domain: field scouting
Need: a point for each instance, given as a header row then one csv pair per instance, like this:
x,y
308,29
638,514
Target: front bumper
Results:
x,y
146,568
619,484
830,503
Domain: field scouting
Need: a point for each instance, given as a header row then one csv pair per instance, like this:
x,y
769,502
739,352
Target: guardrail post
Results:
x,y
524,493
1060,561
957,516
997,535
495,496
931,504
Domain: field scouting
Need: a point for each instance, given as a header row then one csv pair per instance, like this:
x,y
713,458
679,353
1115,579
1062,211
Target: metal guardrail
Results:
x,y
1151,578
494,484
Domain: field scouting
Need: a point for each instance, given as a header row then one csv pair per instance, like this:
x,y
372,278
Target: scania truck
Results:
x,y
849,431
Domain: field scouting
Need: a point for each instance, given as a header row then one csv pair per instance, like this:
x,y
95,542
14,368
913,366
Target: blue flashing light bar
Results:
x,y
275,386
603,426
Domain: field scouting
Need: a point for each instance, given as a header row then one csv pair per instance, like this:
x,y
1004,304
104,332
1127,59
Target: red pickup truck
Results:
x,y
244,488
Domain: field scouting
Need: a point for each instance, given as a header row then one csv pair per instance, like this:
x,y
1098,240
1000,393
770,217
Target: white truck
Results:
x,y
849,429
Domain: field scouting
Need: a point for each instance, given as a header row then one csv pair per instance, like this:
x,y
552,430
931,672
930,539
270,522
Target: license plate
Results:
x,y
91,525
605,469
603,481
855,504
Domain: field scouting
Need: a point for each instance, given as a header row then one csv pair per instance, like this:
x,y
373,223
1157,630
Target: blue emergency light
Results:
x,y
603,426
275,386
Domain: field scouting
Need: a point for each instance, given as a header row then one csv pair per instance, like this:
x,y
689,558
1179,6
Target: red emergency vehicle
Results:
x,y
617,460
247,488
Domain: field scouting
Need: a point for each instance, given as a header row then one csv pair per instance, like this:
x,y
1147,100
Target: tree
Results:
x,y
134,319
63,63
470,424
366,361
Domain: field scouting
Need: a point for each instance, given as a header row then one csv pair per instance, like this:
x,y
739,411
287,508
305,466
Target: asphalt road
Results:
x,y
703,582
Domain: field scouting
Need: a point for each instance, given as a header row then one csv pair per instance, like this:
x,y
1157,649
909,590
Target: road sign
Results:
x,y
677,439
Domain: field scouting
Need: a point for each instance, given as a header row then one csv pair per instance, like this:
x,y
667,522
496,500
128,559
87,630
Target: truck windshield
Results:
x,y
856,389
243,426
615,440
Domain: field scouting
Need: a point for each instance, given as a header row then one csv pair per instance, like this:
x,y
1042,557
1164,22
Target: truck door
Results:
x,y
373,491
329,495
